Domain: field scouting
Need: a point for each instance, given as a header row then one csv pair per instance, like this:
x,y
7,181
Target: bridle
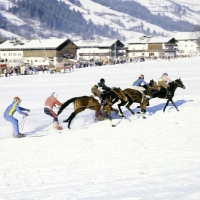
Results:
x,y
178,84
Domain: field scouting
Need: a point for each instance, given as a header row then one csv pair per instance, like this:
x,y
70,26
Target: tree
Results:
x,y
196,34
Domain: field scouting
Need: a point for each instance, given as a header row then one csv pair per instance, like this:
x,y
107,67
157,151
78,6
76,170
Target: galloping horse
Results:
x,y
173,86
135,96
89,102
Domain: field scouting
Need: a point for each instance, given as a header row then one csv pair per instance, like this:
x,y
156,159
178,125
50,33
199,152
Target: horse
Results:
x,y
135,96
89,102
173,86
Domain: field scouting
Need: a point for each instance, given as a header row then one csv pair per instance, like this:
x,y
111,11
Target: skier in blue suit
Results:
x,y
8,115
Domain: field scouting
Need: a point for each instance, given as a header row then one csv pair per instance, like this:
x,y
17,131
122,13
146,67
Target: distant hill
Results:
x,y
83,19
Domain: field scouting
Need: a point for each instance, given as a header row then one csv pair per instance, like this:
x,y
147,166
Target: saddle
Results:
x,y
165,92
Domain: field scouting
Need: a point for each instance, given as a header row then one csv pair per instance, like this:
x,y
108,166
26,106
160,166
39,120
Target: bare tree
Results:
x,y
196,34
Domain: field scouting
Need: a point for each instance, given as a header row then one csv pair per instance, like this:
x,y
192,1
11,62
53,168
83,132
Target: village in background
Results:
x,y
25,57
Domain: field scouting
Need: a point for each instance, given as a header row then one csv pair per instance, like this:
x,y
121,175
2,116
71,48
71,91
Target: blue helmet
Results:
x,y
165,74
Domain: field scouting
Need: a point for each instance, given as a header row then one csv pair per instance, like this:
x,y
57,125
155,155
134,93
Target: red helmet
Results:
x,y
17,99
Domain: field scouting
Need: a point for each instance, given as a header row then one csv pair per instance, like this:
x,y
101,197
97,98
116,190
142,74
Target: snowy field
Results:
x,y
157,158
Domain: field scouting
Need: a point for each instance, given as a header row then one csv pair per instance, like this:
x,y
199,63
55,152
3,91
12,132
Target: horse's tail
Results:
x,y
66,104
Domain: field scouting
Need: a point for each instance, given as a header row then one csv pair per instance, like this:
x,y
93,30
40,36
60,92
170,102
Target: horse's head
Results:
x,y
119,94
179,83
153,84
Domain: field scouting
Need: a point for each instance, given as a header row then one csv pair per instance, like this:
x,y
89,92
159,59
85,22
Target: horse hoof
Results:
x,y
113,125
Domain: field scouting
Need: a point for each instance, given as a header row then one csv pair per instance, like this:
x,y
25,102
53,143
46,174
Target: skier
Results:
x,y
48,108
9,112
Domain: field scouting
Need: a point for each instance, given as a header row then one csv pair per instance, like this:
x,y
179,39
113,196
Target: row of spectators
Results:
x,y
69,67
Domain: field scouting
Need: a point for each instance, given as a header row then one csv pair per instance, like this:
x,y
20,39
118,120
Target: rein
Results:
x,y
116,94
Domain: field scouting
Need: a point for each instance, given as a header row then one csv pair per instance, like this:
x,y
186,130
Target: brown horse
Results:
x,y
173,86
89,102
135,96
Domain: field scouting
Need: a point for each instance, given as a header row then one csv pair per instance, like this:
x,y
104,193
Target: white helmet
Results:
x,y
54,94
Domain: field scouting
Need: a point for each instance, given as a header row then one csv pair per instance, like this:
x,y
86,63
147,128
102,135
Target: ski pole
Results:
x,y
22,124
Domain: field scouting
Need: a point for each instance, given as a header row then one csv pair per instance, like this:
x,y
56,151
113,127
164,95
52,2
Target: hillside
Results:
x,y
85,18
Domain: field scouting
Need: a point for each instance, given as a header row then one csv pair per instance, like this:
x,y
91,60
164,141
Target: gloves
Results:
x,y
27,110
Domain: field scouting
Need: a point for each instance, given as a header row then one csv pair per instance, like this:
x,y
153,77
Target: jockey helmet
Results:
x,y
54,94
141,76
165,74
17,99
102,80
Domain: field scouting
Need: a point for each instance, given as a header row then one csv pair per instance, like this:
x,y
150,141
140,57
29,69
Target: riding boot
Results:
x,y
103,102
146,97
168,92
153,94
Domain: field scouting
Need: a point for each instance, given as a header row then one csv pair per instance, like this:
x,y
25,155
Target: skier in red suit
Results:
x,y
48,108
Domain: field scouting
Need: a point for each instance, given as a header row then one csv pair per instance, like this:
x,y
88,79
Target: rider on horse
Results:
x,y
141,86
101,94
164,81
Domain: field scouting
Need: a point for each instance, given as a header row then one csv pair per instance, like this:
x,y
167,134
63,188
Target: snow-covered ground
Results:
x,y
157,158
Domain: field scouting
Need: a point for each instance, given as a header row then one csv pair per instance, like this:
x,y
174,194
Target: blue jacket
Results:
x,y
12,108
139,81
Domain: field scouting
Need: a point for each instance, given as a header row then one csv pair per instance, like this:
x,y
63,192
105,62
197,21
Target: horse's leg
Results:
x,y
66,120
108,110
71,117
168,100
146,104
128,107
143,110
174,105
115,100
120,110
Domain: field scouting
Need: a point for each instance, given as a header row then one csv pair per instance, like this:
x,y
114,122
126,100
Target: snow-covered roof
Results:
x,y
96,43
32,44
186,35
159,39
147,40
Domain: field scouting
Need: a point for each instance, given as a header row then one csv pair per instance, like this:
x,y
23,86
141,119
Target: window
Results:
x,y
36,60
14,54
5,54
185,45
19,54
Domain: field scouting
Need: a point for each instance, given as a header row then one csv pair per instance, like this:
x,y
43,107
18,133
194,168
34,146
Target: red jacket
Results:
x,y
52,102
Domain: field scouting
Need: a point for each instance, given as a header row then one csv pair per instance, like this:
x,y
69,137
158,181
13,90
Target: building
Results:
x,y
100,49
37,52
187,43
151,47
